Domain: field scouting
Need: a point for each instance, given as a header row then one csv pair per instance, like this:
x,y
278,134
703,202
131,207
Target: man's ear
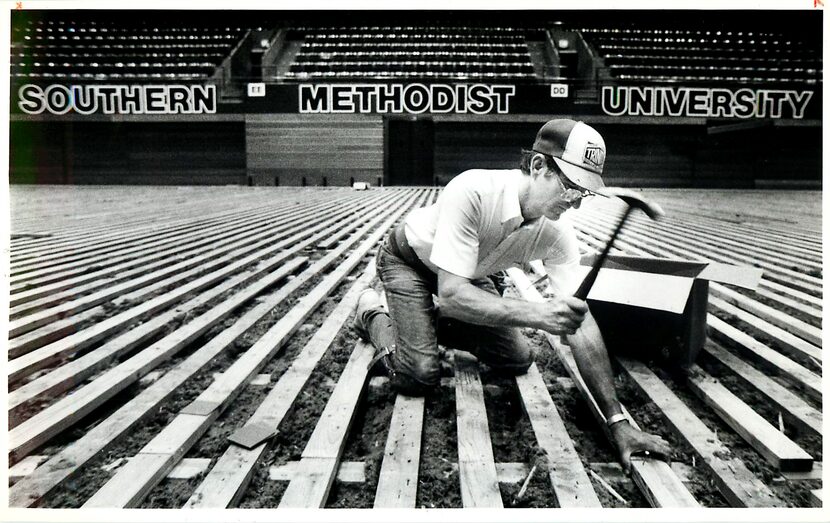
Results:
x,y
538,163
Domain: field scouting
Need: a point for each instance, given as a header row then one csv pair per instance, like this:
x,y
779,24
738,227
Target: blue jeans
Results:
x,y
414,328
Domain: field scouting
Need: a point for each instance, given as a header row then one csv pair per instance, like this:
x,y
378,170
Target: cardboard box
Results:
x,y
654,308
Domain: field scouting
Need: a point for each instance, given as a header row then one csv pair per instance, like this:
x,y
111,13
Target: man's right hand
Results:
x,y
562,315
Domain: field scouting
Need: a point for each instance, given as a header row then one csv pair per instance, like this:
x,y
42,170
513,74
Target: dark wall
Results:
x,y
161,153
651,155
214,153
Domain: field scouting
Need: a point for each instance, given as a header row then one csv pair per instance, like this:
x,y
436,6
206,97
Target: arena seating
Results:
x,y
412,52
704,56
70,50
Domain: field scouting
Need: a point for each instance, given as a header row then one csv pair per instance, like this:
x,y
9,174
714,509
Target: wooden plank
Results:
x,y
398,479
815,473
50,333
133,481
60,265
347,471
783,339
658,483
221,392
817,497
711,238
477,468
310,487
799,376
571,484
189,468
224,484
777,448
205,243
775,317
795,409
737,484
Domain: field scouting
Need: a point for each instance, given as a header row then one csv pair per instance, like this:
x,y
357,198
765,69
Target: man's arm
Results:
x,y
563,315
462,300
591,357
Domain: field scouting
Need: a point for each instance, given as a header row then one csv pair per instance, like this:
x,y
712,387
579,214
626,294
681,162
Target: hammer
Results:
x,y
633,201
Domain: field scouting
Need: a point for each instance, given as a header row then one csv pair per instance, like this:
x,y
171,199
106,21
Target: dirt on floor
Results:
x,y
512,436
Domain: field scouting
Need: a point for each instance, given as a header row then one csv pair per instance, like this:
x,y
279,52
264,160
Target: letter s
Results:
x,y
31,99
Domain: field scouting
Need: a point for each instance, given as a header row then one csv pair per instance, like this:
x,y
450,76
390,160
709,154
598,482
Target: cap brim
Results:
x,y
579,176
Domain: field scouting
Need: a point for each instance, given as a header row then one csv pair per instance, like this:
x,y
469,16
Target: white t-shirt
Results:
x,y
476,229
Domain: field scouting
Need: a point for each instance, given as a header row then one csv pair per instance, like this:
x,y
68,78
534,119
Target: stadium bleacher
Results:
x,y
704,56
86,50
412,52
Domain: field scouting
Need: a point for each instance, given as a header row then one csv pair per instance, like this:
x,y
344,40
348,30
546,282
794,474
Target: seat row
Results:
x,y
428,36
411,66
674,32
63,47
401,75
132,38
100,76
710,79
692,57
407,53
331,47
40,56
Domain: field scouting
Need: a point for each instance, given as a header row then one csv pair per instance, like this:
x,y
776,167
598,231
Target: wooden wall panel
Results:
x,y
326,150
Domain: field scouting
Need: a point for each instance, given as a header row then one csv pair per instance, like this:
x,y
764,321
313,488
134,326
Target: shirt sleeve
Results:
x,y
455,247
562,261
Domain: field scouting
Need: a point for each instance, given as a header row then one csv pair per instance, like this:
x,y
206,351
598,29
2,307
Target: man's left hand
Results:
x,y
632,441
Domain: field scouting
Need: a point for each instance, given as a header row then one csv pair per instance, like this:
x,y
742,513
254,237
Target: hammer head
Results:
x,y
634,200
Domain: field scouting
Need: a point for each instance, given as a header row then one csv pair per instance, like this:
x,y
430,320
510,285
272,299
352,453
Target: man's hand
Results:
x,y
562,315
631,441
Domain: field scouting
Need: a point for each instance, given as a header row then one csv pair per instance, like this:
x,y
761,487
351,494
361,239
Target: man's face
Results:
x,y
557,193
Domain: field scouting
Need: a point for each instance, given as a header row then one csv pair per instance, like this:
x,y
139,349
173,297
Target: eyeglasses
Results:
x,y
572,192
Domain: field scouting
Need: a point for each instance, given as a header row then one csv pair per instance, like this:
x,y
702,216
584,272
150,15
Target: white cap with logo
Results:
x,y
577,149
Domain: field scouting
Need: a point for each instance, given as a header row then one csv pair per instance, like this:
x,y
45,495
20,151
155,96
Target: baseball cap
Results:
x,y
577,149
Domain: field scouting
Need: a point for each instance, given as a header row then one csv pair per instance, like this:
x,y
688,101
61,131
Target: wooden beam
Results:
x,y
571,485
737,484
318,464
398,480
795,409
777,448
477,468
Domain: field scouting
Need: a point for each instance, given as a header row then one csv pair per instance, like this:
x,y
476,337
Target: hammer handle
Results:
x,y
588,282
